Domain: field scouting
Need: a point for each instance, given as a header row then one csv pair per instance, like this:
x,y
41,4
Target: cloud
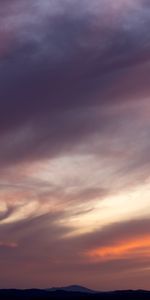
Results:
x,y
56,88
56,255
74,140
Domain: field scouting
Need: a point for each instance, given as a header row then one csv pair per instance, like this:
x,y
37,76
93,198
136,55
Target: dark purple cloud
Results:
x,y
60,65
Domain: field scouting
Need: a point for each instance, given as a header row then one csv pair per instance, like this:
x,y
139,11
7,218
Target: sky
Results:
x,y
74,143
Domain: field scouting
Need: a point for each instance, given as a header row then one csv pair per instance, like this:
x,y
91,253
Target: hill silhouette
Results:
x,y
72,288
71,293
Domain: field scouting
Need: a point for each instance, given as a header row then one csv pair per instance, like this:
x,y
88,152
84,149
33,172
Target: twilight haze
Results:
x,y
75,143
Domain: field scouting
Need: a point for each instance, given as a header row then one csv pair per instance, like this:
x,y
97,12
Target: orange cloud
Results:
x,y
138,246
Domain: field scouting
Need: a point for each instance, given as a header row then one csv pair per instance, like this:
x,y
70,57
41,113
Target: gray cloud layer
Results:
x,y
63,68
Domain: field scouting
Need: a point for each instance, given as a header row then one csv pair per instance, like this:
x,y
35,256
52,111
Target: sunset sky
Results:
x,y
75,143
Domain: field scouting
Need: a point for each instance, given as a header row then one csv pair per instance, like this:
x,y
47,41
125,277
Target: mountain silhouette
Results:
x,y
72,288
73,292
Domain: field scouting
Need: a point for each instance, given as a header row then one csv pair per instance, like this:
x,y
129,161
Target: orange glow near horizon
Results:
x,y
124,248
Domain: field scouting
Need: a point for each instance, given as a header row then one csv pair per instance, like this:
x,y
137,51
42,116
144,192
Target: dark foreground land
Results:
x,y
67,295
